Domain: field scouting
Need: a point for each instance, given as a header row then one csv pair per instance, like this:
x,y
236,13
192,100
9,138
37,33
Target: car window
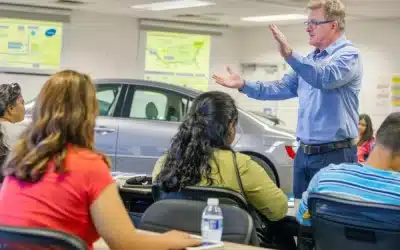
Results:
x,y
107,96
154,104
190,102
185,105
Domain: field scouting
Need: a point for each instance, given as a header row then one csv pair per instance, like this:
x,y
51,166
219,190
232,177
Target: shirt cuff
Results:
x,y
247,87
294,60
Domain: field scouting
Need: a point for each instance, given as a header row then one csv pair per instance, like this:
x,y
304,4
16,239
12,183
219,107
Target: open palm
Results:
x,y
232,80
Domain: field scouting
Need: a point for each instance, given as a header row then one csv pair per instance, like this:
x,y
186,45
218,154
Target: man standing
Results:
x,y
327,83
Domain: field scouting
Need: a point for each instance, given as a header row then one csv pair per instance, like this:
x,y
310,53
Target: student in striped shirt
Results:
x,y
376,180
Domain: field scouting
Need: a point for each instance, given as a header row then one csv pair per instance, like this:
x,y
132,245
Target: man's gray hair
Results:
x,y
334,10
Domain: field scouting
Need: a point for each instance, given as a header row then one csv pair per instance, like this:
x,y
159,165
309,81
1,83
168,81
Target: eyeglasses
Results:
x,y
314,23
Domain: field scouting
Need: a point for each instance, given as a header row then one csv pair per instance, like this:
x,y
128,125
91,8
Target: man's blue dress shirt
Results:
x,y
327,84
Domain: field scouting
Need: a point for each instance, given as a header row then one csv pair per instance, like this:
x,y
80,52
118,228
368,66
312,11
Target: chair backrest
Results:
x,y
185,215
15,238
136,198
225,196
339,223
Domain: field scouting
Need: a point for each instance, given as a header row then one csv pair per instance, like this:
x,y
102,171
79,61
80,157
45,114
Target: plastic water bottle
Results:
x,y
212,222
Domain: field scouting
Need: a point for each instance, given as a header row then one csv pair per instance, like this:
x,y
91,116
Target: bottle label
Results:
x,y
213,224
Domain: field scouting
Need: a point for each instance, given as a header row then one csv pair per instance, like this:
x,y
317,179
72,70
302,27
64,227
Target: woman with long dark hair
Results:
x,y
12,110
201,154
365,138
56,179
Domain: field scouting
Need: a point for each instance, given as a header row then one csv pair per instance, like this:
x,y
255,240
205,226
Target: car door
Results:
x,y
110,98
151,117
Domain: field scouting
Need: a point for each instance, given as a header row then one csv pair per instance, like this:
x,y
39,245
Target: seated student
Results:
x,y
377,180
55,179
201,154
366,137
12,110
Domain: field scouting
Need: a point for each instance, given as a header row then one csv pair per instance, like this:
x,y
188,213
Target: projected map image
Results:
x,y
178,58
30,44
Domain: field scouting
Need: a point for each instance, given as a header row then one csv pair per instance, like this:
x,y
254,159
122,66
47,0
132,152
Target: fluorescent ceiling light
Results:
x,y
172,5
274,18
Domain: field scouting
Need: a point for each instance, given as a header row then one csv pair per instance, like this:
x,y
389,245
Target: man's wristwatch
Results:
x,y
241,89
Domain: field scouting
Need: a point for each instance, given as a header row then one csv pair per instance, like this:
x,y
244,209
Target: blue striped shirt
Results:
x,y
353,181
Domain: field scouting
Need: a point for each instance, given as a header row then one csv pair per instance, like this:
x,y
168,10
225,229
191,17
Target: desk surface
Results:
x,y
101,245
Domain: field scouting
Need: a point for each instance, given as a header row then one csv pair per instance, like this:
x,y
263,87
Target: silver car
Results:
x,y
138,118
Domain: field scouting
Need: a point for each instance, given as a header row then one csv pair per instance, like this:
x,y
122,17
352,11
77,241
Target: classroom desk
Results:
x,y
101,245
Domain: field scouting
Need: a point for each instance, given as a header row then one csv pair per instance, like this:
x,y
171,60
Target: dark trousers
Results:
x,y
306,166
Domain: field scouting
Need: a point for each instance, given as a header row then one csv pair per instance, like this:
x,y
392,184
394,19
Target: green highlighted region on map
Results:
x,y
30,44
178,58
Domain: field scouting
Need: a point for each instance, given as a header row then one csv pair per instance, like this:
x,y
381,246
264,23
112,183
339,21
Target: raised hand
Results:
x,y
284,47
232,80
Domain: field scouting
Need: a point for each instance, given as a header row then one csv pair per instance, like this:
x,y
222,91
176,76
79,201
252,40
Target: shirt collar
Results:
x,y
331,48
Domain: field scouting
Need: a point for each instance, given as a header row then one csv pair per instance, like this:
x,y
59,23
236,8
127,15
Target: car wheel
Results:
x,y
266,167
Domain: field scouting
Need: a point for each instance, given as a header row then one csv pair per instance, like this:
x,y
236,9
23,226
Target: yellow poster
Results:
x,y
178,58
396,91
30,44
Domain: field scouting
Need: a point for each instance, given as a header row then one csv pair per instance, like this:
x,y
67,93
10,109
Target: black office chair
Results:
x,y
225,196
339,223
14,238
185,215
263,235
136,198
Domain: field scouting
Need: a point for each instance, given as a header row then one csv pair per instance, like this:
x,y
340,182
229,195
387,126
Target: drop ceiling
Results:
x,y
224,12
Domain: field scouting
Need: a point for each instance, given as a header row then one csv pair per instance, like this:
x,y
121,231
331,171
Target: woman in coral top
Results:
x,y
55,179
366,138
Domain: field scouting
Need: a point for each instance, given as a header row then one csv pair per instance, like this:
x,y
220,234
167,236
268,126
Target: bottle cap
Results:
x,y
212,202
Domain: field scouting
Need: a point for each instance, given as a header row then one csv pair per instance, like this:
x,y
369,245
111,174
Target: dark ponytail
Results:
x,y
205,128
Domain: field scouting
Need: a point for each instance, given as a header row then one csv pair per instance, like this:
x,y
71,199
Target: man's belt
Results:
x,y
311,149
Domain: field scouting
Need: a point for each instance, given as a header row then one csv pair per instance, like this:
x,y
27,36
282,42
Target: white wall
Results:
x,y
101,45
225,51
377,40
107,46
